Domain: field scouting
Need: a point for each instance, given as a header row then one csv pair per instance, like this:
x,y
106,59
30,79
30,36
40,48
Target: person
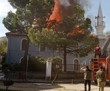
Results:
x,y
87,77
107,64
97,51
101,80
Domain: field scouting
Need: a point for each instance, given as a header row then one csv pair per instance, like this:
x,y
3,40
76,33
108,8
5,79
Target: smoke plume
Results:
x,y
66,8
85,4
65,3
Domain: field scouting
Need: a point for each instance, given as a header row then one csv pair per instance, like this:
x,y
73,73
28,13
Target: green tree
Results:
x,y
45,37
28,11
26,14
3,46
18,3
19,21
72,34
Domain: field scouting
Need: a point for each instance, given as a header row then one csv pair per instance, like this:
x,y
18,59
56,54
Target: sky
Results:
x,y
91,12
5,7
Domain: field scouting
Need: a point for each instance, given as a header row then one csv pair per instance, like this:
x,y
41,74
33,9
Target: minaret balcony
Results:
x,y
100,23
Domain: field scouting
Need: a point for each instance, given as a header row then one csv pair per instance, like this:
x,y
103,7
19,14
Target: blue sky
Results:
x,y
105,4
5,7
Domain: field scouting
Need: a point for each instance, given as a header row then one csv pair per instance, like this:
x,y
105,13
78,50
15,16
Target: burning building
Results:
x,y
61,9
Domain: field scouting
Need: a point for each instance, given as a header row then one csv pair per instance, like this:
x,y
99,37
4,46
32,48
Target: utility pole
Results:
x,y
27,66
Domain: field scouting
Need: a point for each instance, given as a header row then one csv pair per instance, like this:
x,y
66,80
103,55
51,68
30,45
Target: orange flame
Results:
x,y
76,31
56,12
50,25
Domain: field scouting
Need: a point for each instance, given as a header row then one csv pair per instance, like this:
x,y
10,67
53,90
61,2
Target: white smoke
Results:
x,y
85,4
65,3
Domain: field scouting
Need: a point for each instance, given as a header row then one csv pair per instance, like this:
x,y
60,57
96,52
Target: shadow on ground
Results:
x,y
31,86
48,87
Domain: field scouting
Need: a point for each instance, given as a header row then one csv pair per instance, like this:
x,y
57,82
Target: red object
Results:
x,y
107,68
98,52
98,48
0,58
20,75
97,63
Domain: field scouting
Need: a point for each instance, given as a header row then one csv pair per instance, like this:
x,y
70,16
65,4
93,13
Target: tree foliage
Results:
x,y
28,11
18,3
3,46
45,37
40,10
19,21
72,34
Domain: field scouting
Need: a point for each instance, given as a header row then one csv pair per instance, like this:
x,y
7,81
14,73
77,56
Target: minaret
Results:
x,y
100,25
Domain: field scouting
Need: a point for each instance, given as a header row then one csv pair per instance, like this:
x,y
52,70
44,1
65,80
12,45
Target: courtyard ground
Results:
x,y
49,87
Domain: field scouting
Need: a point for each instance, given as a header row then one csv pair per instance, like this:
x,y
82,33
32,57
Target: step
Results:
x,y
95,62
96,66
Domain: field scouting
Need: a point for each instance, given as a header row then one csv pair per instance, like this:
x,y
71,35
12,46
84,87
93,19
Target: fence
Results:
x,y
72,67
22,75
73,71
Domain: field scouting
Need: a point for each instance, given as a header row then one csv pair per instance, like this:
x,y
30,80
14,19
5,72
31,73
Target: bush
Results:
x,y
7,66
33,65
4,58
56,61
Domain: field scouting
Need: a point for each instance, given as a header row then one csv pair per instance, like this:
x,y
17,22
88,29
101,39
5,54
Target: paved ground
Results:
x,y
49,87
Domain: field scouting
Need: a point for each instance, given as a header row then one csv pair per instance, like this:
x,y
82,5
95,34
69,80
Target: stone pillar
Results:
x,y
48,70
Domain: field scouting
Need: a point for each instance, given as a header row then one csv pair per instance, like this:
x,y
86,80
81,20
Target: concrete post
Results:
x,y
48,70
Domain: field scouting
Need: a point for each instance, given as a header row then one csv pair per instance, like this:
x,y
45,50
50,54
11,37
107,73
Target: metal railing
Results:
x,y
72,67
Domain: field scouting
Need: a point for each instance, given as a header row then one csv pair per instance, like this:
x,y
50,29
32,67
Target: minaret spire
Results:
x,y
100,11
100,25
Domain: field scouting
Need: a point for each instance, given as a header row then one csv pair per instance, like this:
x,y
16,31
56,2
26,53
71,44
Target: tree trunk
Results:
x,y
26,48
64,58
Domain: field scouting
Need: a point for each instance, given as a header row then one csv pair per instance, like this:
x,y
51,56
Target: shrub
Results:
x,y
33,65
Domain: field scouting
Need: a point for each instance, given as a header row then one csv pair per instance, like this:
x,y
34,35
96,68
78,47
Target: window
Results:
x,y
42,48
76,65
24,45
